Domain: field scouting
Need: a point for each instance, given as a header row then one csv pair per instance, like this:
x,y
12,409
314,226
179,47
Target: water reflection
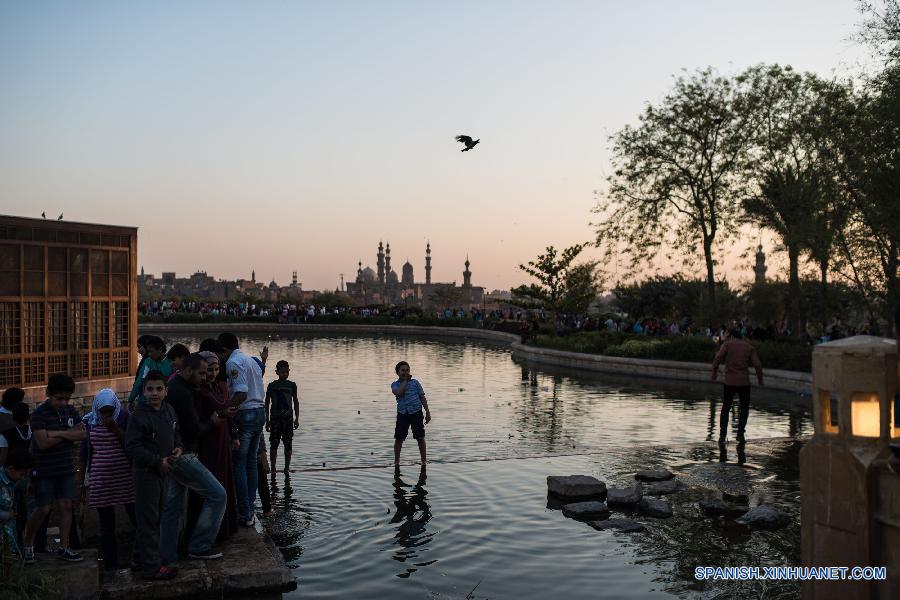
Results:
x,y
741,452
413,512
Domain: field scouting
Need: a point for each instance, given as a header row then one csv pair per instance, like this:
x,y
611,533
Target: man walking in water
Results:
x,y
737,354
410,402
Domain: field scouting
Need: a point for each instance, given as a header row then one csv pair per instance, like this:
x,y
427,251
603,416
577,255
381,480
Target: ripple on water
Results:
x,y
362,534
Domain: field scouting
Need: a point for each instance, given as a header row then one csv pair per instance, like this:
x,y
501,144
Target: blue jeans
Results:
x,y
188,473
250,425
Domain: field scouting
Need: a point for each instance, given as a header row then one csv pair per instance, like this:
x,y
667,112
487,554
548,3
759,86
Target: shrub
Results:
x,y
790,356
594,342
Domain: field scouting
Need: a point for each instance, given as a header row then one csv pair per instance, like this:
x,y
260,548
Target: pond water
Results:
x,y
479,520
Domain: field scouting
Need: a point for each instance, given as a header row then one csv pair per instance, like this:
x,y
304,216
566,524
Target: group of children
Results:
x,y
175,457
169,457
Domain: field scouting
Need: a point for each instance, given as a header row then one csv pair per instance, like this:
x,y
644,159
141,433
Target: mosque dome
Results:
x,y
368,275
392,277
407,273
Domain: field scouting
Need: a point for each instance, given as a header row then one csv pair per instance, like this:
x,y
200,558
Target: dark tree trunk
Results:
x,y
711,284
794,290
823,288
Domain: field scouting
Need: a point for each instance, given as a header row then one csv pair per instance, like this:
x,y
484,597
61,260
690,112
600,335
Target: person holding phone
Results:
x,y
410,403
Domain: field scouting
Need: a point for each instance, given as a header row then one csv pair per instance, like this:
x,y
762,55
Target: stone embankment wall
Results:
x,y
787,381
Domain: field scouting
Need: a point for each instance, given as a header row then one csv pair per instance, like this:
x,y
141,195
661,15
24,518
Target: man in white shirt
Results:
x,y
245,387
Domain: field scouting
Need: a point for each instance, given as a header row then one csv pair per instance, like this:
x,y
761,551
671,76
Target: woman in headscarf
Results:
x,y
108,469
215,447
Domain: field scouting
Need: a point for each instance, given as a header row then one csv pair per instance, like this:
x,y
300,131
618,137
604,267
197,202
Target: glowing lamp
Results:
x,y
865,415
850,499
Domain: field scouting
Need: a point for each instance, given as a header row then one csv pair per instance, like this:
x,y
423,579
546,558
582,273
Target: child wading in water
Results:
x,y
281,394
410,402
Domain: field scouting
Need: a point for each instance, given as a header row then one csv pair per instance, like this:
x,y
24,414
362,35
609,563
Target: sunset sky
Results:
x,y
296,135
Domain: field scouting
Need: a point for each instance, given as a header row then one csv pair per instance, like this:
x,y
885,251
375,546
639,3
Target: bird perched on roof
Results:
x,y
468,141
44,214
59,218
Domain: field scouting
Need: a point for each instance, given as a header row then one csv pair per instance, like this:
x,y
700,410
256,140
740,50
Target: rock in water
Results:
x,y
720,507
586,510
618,524
654,475
767,517
576,486
624,496
655,507
661,488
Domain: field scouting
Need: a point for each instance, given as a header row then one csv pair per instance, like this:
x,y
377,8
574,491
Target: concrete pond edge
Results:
x,y
776,379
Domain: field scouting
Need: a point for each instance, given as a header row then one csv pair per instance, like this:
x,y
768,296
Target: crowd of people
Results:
x,y
529,319
302,313
182,455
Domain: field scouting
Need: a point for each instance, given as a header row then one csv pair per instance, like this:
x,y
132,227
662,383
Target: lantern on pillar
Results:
x,y
850,499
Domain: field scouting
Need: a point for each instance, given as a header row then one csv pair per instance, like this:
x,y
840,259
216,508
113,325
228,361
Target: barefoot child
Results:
x,y
410,402
281,394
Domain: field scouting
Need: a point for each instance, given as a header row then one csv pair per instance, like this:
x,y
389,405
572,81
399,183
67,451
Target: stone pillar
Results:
x,y
850,499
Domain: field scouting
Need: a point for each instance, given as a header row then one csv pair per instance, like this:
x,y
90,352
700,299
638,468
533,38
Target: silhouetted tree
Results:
x,y
561,284
677,177
870,170
792,190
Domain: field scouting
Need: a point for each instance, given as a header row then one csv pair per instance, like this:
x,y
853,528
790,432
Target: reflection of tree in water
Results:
x,y
538,417
411,517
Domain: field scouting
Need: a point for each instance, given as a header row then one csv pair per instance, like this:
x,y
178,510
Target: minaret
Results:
x,y
760,267
253,275
294,279
359,276
387,260
428,263
467,275
142,271
380,262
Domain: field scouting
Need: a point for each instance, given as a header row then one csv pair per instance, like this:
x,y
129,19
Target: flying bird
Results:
x,y
468,141
44,214
59,218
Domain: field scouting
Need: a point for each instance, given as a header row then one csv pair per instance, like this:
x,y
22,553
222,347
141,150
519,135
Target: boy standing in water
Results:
x,y
410,402
281,422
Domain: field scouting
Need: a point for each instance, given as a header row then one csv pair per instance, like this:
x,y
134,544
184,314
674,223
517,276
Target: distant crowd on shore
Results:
x,y
529,321
302,313
182,455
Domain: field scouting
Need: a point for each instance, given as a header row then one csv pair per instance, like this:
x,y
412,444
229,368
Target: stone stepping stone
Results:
x,y
765,517
661,488
655,507
721,507
576,486
617,524
654,475
624,496
586,510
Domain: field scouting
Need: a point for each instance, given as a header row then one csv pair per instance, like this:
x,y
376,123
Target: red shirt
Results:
x,y
738,355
